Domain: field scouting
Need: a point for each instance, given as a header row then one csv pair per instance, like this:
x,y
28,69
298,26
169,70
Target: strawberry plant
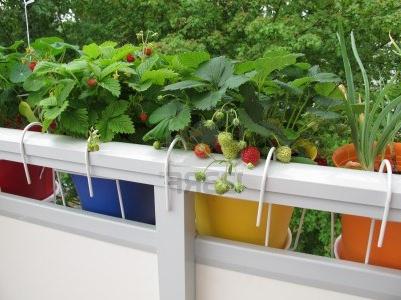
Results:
x,y
84,92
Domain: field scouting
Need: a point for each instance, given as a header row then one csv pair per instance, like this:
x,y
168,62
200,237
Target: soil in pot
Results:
x,y
137,198
355,229
235,219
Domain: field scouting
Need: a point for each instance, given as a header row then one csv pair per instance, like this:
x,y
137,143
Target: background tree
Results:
x,y
238,28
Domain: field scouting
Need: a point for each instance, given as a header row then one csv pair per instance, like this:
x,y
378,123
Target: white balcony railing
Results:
x,y
174,240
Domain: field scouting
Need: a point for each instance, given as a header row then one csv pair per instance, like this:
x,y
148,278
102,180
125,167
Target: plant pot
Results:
x,y
13,179
235,219
355,229
138,199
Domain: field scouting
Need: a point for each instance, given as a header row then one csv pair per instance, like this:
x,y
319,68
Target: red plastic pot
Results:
x,y
13,180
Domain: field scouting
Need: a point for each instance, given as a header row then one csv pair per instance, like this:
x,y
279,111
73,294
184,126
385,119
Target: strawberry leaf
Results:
x,y
182,119
75,121
208,100
112,85
164,112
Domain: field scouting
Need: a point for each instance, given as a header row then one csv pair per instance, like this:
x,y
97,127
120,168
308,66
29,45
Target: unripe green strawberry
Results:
x,y
283,154
200,176
209,124
224,138
156,145
221,186
242,144
230,150
219,115
239,187
236,122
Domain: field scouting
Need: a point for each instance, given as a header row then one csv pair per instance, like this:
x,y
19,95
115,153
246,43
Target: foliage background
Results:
x,y
242,29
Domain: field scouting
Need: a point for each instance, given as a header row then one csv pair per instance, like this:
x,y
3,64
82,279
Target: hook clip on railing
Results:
x,y
384,163
22,150
166,167
88,173
261,197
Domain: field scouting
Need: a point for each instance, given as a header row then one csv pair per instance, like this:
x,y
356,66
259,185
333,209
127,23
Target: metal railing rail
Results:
x,y
174,238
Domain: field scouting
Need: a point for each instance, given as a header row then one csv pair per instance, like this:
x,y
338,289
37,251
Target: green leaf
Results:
x,y
290,134
159,132
33,83
147,64
19,72
303,66
182,119
121,124
186,84
289,88
299,82
66,87
193,59
358,108
54,112
112,85
248,123
164,112
92,50
237,80
112,68
245,67
326,77
76,66
158,76
303,160
115,109
216,71
140,86
208,100
50,101
75,121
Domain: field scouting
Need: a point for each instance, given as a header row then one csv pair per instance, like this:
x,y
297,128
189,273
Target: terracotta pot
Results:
x,y
355,229
347,153
13,180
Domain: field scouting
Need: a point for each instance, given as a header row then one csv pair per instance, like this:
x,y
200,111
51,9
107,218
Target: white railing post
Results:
x,y
175,231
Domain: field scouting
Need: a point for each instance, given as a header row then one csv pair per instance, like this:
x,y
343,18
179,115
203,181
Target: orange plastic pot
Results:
x,y
235,219
355,229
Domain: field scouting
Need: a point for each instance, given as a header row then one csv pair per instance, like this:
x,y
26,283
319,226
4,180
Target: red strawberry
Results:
x,y
250,155
130,58
321,161
53,125
217,147
148,51
143,117
32,65
202,150
91,82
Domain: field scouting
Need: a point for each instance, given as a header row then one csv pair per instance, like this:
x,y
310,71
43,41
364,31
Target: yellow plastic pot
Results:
x,y
235,219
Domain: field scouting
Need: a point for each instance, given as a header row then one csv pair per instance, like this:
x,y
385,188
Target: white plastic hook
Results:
x,y
22,149
88,173
26,3
120,198
166,167
263,186
60,186
384,163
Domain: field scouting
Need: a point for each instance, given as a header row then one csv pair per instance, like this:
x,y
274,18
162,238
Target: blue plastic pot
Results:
x,y
138,199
